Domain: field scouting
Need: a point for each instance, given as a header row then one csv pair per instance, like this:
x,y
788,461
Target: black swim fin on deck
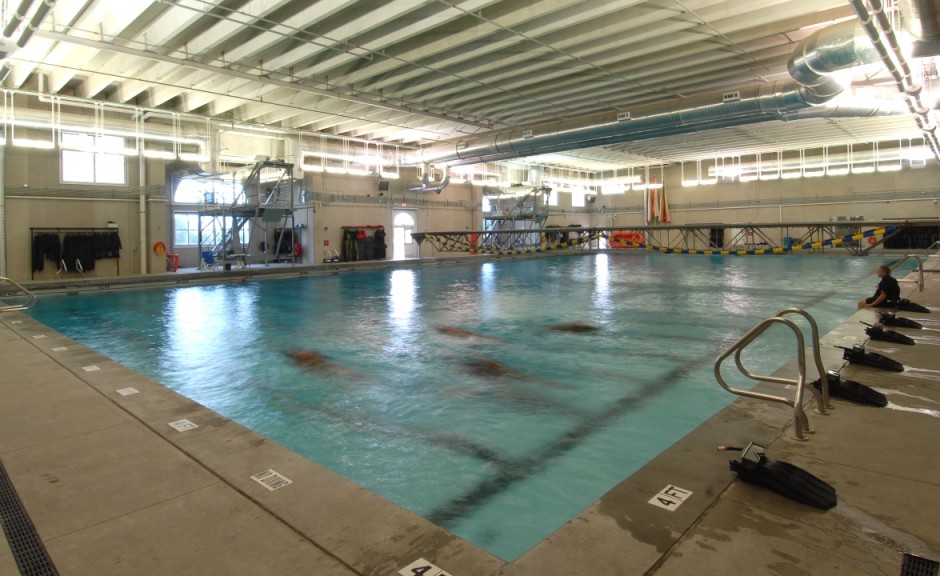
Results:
x,y
858,355
878,332
852,390
906,305
783,478
890,319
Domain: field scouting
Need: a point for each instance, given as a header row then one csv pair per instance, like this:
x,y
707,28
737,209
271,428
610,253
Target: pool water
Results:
x,y
499,437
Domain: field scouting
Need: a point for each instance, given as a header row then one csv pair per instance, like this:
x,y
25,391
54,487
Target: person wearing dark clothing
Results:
x,y
888,290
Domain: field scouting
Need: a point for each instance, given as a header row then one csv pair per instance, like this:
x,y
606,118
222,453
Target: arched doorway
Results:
x,y
403,224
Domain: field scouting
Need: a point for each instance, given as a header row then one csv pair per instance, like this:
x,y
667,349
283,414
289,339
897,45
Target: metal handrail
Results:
x,y
934,246
821,395
920,268
801,423
30,298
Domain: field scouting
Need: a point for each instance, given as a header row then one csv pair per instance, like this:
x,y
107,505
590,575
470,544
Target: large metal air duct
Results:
x,y
815,59
922,20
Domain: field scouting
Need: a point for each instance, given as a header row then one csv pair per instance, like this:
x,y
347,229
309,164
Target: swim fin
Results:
x,y
890,319
906,305
858,355
878,332
783,478
851,390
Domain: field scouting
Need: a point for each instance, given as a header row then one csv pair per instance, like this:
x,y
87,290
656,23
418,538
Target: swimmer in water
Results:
x,y
574,327
460,332
314,361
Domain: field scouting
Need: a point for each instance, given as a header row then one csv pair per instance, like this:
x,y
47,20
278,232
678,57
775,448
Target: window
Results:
x,y
186,229
215,191
85,161
577,198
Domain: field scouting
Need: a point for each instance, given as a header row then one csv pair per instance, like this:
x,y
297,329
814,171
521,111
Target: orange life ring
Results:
x,y
872,240
159,248
297,249
623,239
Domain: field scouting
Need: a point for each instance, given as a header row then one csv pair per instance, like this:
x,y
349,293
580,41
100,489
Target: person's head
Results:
x,y
883,271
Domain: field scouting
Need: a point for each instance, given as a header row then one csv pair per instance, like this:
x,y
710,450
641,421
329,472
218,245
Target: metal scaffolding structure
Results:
x,y
856,237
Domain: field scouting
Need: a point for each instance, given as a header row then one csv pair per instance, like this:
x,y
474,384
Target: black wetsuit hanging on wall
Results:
x,y
78,251
46,246
380,246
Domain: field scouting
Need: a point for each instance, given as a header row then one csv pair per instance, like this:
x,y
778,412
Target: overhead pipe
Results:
x,y
21,11
876,25
35,21
426,185
922,20
824,52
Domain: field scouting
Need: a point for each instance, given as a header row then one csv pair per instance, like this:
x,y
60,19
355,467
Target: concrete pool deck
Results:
x,y
113,488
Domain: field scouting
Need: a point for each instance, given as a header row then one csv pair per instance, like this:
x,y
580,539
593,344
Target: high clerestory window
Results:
x,y
86,160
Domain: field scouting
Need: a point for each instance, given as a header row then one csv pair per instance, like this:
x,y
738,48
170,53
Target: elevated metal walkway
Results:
x,y
751,238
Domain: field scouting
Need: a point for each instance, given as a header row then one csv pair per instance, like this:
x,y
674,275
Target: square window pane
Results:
x,y
78,166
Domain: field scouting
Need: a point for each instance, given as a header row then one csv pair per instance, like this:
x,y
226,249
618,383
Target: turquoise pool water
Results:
x,y
407,411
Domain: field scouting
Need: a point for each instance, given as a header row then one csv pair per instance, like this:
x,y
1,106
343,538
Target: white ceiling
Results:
x,y
414,72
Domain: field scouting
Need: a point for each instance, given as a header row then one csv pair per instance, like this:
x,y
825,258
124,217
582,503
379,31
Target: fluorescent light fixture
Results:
x,y
312,167
193,157
889,167
772,176
335,170
833,171
690,183
357,172
863,169
31,143
160,154
791,175
390,175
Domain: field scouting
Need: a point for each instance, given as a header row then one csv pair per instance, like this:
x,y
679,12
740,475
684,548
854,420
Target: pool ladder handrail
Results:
x,y
920,267
801,422
936,247
30,297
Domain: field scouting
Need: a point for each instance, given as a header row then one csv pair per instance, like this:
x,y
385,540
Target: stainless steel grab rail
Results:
x,y
920,268
822,395
935,246
800,421
30,297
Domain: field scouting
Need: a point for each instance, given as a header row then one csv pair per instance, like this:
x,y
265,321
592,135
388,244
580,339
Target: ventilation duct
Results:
x,y
875,23
815,59
922,20
35,22
18,16
427,186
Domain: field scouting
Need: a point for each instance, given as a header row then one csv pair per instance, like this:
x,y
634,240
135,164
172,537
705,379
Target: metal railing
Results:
x,y
801,422
935,247
30,297
920,268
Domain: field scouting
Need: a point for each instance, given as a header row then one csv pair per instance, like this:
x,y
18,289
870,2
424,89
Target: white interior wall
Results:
x,y
35,199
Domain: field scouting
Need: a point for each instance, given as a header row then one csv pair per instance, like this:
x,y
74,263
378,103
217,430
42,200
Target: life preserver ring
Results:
x,y
297,249
629,239
159,248
872,240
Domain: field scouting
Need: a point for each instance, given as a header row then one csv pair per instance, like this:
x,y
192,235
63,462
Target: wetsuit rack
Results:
x,y
73,249
364,242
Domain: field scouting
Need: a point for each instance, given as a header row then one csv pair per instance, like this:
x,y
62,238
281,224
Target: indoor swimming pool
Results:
x,y
451,389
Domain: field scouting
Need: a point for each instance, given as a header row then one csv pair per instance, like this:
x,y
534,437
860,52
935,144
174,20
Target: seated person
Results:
x,y
888,290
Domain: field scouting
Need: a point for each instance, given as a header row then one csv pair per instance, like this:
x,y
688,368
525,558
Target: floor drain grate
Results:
x,y
919,566
28,552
